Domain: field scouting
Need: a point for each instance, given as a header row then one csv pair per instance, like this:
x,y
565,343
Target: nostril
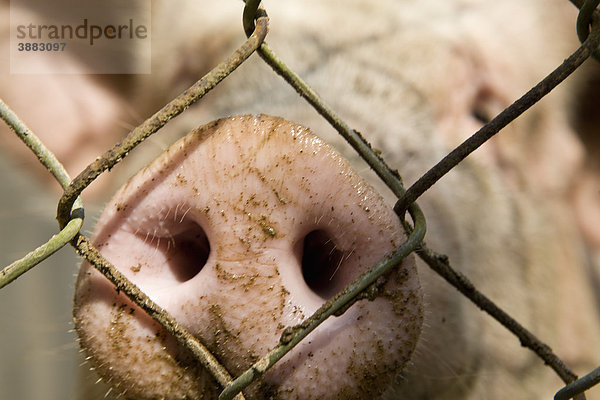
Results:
x,y
187,253
486,105
321,260
480,114
191,231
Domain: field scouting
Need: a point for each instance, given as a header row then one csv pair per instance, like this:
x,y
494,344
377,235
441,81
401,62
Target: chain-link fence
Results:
x,y
70,207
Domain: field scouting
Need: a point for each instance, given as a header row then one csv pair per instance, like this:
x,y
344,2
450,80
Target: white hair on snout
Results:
x,y
415,78
257,239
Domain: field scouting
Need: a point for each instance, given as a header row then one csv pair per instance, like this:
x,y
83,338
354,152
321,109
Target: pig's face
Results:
x,y
239,230
416,79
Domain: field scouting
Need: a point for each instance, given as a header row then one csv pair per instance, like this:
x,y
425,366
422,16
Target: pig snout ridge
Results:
x,y
240,229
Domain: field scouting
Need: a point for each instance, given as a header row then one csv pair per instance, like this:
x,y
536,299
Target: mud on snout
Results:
x,y
240,229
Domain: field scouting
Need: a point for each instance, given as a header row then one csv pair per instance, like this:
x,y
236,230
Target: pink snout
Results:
x,y
242,228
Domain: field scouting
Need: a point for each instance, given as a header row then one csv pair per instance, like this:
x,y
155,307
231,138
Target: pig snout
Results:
x,y
240,229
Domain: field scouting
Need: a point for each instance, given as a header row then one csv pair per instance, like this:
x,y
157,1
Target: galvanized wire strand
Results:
x,y
335,306
10,273
251,12
437,262
160,118
440,264
584,19
389,176
110,158
352,293
45,156
579,386
183,336
501,120
70,211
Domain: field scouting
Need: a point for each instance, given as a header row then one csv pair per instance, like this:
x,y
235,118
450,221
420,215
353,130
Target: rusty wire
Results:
x,y
160,119
70,209
584,22
439,263
579,386
570,65
110,158
68,232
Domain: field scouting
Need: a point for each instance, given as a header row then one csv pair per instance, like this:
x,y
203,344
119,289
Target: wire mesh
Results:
x,y
70,207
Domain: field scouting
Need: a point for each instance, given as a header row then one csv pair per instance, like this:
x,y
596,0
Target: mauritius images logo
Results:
x,y
87,36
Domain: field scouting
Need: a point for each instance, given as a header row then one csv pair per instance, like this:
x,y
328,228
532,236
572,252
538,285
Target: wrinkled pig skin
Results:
x,y
417,78
253,189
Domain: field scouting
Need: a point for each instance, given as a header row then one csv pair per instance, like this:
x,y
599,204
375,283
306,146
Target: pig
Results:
x,y
417,79
241,229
